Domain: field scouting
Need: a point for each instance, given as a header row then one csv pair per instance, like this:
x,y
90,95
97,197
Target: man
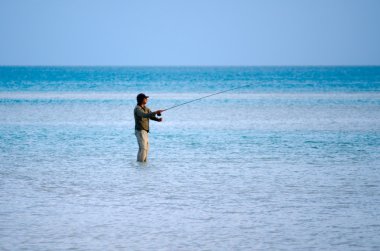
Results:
x,y
142,116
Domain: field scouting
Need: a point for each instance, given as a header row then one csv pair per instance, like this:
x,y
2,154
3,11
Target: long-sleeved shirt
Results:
x,y
142,116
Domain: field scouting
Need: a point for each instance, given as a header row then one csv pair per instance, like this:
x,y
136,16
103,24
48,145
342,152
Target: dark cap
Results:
x,y
141,97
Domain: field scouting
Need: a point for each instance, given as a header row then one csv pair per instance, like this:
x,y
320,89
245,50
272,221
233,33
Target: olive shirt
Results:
x,y
142,116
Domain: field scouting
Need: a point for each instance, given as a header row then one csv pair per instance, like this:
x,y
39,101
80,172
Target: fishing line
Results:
x,y
239,87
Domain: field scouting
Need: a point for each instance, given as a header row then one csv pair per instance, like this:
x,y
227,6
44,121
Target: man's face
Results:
x,y
145,100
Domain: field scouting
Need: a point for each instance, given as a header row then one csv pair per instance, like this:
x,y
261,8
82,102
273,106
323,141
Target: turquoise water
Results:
x,y
289,163
189,79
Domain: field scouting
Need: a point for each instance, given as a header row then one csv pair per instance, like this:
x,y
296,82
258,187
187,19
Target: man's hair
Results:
x,y
140,98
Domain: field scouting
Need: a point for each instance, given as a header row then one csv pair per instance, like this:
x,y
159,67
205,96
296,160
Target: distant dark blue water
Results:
x,y
189,79
288,163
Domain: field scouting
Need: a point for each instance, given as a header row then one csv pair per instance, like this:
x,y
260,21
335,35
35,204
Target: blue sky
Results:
x,y
192,32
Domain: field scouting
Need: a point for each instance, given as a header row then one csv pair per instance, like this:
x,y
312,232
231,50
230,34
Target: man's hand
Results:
x,y
158,112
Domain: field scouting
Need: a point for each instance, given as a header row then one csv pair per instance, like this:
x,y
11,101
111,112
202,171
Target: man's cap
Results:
x,y
141,97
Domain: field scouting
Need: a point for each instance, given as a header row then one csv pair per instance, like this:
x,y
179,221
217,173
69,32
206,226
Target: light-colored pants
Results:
x,y
142,140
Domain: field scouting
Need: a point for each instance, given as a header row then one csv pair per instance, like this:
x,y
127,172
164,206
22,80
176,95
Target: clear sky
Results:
x,y
190,32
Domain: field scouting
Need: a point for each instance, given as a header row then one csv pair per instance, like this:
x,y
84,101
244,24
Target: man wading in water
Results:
x,y
142,116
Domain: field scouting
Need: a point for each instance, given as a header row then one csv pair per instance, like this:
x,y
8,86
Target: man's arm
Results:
x,y
140,112
153,116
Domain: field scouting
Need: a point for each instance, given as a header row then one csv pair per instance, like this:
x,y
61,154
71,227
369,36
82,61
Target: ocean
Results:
x,y
290,162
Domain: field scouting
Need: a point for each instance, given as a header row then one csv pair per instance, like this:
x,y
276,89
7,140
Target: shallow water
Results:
x,y
270,168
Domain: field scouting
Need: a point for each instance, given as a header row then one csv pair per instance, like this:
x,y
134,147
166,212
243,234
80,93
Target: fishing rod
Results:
x,y
239,87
